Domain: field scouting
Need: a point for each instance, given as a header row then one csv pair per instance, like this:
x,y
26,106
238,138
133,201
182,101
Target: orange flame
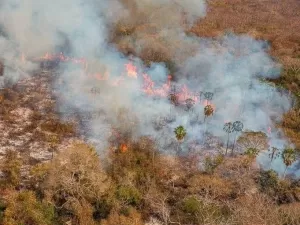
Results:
x,y
62,58
148,87
123,148
100,76
131,70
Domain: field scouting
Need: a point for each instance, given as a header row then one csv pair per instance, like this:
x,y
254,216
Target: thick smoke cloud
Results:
x,y
230,67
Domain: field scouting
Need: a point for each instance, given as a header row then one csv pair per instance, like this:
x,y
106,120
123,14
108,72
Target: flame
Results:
x,y
62,58
123,148
206,102
100,76
131,70
149,87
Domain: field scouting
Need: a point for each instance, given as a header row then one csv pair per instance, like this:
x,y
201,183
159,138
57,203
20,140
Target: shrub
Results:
x,y
213,186
102,209
202,211
191,205
212,163
283,191
76,178
11,169
24,208
129,195
268,181
115,218
252,152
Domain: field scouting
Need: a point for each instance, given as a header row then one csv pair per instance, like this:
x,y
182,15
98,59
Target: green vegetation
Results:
x,y
289,157
180,133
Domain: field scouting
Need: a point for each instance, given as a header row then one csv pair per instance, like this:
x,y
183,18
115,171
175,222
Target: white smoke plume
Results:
x,y
229,67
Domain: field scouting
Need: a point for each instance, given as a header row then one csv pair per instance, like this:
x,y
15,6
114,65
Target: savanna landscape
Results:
x,y
136,112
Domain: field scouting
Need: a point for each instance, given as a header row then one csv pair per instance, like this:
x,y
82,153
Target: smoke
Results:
x,y
230,67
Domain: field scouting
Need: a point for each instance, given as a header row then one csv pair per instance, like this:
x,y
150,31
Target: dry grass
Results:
x,y
212,186
57,127
275,21
291,126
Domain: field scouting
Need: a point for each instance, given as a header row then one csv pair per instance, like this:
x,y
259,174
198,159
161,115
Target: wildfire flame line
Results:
x,y
148,87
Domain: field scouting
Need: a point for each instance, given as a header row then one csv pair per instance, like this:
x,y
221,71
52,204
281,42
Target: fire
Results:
x,y
149,87
206,102
131,70
123,148
62,58
100,76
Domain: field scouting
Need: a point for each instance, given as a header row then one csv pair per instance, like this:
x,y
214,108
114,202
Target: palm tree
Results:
x,y
189,103
274,153
289,157
200,95
173,97
208,111
208,96
180,133
228,128
237,127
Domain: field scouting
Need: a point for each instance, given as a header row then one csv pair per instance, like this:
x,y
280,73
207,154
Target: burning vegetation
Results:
x,y
122,116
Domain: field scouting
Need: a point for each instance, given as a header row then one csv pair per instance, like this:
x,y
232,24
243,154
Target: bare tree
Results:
x,y
228,128
251,139
189,104
200,95
237,127
76,176
274,153
208,96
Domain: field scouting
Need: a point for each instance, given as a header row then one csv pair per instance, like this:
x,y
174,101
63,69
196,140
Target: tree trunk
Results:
x,y
270,164
284,173
204,133
227,144
233,144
